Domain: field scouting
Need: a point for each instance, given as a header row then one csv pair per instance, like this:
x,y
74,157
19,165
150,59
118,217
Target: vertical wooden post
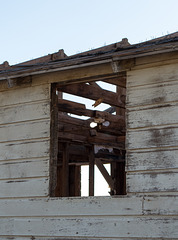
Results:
x,y
65,170
91,156
121,92
54,141
118,169
74,180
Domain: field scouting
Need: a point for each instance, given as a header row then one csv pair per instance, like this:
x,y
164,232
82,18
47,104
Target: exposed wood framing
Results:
x,y
92,92
54,140
105,173
91,169
76,139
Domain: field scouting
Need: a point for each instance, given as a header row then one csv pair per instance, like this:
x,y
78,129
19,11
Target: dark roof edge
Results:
x,y
120,50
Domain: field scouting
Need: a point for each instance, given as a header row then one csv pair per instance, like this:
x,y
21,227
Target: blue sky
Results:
x,y
33,28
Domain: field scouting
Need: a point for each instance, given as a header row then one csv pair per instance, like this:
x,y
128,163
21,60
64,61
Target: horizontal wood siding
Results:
x,y
24,187
26,149
76,238
24,141
27,94
152,182
96,206
153,94
152,115
152,130
152,160
26,210
100,227
24,168
158,137
152,75
24,112
126,217
25,130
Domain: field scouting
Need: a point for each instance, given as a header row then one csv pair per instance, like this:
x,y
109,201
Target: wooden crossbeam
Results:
x,y
78,154
120,120
100,138
94,84
80,109
105,173
91,158
65,170
74,108
92,92
120,81
112,129
64,118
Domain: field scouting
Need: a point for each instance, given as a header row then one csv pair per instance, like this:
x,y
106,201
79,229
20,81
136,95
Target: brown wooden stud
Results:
x,y
91,157
91,92
74,180
54,140
105,173
65,170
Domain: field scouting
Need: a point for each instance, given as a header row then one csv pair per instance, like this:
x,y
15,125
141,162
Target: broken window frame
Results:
x,y
63,172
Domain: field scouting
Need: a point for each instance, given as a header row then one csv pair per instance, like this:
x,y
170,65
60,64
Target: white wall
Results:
x,y
26,210
152,130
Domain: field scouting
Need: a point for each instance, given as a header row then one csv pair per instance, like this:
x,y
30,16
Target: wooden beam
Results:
x,y
74,108
119,81
94,84
100,139
64,118
74,180
113,129
111,118
79,109
122,94
110,110
54,141
105,173
91,169
65,171
91,92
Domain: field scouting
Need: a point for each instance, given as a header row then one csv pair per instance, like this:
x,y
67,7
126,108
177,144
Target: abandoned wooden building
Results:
x,y
62,118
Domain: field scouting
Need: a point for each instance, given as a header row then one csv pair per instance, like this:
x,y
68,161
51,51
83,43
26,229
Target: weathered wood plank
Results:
x,y
79,109
152,94
65,170
152,138
158,74
91,92
152,116
24,168
152,182
84,206
24,149
91,159
156,60
86,227
74,107
73,74
24,187
100,138
119,81
105,173
160,205
25,112
53,139
76,238
24,95
25,130
152,159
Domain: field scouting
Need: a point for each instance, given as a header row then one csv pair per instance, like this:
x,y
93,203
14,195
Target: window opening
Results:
x,y
88,136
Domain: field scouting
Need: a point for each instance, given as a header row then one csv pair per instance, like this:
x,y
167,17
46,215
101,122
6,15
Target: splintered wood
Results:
x,y
80,144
